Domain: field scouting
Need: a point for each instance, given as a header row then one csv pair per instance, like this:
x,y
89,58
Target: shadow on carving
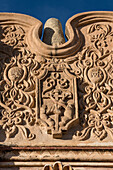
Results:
x,y
5,58
93,69
48,34
34,90
15,104
58,93
6,154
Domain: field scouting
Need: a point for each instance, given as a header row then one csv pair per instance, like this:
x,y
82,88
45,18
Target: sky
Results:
x,y
61,9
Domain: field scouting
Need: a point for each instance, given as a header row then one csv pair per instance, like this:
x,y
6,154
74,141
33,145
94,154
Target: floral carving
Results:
x,y
102,37
17,96
12,122
13,35
17,85
35,90
93,69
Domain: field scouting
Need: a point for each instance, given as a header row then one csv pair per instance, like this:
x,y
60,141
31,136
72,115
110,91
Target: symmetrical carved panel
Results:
x,y
57,97
56,101
63,88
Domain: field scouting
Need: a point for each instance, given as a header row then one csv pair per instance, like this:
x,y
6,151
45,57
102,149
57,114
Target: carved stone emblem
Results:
x,y
56,88
57,93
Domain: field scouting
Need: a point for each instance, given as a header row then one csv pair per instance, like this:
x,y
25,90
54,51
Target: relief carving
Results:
x,y
35,92
95,83
57,166
13,35
58,86
17,86
58,107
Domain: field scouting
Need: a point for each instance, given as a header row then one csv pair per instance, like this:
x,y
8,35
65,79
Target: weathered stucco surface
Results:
x,y
56,97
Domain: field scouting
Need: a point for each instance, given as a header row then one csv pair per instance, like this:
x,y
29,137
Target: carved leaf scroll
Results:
x,y
95,64
57,91
17,85
34,91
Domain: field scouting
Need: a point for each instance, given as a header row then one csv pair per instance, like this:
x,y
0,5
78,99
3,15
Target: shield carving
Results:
x,y
57,102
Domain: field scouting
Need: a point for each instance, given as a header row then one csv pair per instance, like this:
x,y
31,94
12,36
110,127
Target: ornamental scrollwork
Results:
x,y
17,85
13,35
58,93
34,90
17,96
54,92
94,69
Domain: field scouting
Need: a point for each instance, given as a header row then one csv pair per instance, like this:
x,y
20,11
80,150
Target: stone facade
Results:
x,y
56,97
